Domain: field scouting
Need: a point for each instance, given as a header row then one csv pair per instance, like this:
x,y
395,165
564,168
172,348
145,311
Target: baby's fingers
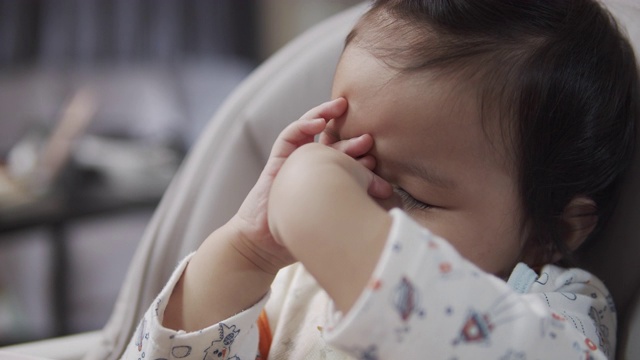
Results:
x,y
376,186
303,131
354,147
357,148
379,188
328,110
367,161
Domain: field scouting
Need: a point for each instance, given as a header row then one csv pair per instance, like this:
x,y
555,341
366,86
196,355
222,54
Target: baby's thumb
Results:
x,y
379,188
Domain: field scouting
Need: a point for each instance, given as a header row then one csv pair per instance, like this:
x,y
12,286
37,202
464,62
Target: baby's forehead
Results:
x,y
410,52
411,106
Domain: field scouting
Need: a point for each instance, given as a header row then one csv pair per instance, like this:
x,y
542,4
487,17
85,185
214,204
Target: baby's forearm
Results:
x,y
217,283
320,210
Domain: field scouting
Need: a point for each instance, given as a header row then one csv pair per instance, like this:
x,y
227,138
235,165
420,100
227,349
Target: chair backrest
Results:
x,y
230,153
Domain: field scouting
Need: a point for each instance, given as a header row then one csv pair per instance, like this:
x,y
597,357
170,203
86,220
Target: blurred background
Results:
x,y
100,100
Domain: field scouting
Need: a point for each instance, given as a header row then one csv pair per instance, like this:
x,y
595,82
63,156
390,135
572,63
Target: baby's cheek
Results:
x,y
469,241
497,254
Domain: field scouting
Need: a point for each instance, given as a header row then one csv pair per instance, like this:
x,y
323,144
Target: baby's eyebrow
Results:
x,y
430,175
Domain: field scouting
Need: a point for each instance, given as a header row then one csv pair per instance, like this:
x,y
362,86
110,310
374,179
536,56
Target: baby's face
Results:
x,y
431,144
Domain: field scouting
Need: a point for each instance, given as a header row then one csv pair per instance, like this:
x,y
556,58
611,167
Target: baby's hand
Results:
x,y
251,221
323,207
242,256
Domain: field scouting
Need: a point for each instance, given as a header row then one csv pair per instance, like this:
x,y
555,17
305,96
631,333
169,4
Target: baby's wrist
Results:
x,y
246,244
218,265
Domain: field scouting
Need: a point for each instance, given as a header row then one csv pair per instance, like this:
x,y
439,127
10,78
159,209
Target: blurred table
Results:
x,y
75,200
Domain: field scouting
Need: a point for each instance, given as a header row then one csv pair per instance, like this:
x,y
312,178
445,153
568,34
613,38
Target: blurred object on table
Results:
x,y
34,164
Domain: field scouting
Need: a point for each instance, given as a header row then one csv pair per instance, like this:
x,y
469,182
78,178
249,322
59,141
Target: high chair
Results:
x,y
230,153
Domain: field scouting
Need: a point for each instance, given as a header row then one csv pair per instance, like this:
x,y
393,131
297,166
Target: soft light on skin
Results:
x,y
430,140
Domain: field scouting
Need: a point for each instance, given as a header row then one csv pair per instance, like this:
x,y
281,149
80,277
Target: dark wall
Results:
x,y
77,32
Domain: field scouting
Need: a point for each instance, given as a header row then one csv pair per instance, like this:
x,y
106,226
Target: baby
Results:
x,y
469,149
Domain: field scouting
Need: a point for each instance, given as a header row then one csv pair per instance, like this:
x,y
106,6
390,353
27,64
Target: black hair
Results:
x,y
560,71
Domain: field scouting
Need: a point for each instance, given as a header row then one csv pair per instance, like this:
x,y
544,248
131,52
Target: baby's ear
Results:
x,y
580,217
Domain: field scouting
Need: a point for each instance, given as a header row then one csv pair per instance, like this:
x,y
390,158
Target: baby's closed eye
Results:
x,y
409,202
